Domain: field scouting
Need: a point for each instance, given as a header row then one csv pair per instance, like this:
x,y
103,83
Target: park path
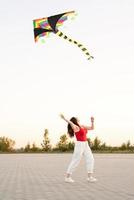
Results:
x,y
41,177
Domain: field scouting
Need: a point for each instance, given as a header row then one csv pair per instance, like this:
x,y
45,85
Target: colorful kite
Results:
x,y
44,26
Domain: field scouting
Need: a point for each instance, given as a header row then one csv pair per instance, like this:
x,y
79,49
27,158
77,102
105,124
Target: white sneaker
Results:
x,y
91,179
69,180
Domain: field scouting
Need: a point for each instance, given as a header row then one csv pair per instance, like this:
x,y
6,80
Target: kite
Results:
x,y
45,26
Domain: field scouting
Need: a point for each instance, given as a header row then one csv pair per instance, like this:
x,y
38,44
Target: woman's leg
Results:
x,y
89,159
78,151
89,163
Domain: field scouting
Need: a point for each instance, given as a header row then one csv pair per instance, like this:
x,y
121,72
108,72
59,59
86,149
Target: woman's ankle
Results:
x,y
68,175
89,174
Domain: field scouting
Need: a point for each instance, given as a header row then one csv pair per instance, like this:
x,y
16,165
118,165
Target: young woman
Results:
x,y
81,148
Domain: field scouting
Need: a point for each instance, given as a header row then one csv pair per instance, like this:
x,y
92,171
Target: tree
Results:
x,y
62,145
128,145
34,148
27,147
70,146
46,146
6,144
103,146
123,147
96,144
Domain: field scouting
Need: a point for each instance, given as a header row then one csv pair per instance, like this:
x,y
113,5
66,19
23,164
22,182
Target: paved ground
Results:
x,y
41,177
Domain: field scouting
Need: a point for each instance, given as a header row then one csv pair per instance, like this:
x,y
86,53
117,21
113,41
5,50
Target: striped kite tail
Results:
x,y
60,34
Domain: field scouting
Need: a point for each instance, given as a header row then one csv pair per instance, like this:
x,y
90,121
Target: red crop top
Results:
x,y
81,135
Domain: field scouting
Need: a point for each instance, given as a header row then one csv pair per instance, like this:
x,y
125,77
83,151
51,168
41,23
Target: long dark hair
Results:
x,y
69,128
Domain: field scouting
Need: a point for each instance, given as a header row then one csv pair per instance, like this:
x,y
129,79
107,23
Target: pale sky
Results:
x,y
39,81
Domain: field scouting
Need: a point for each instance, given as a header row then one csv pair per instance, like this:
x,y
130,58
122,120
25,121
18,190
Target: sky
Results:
x,y
39,81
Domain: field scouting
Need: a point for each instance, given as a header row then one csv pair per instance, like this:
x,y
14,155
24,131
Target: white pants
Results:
x,y
81,148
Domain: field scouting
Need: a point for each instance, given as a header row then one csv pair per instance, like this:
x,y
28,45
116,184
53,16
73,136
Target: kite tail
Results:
x,y
60,34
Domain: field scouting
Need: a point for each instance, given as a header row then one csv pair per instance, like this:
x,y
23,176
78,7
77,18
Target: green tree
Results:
x,y
34,148
96,144
46,145
70,146
20,150
123,146
6,144
62,145
128,145
27,147
103,146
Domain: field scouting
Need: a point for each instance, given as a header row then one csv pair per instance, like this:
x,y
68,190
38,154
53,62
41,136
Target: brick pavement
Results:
x,y
41,177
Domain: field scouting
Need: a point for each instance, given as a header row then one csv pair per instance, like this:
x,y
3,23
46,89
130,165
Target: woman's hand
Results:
x,y
92,119
62,116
